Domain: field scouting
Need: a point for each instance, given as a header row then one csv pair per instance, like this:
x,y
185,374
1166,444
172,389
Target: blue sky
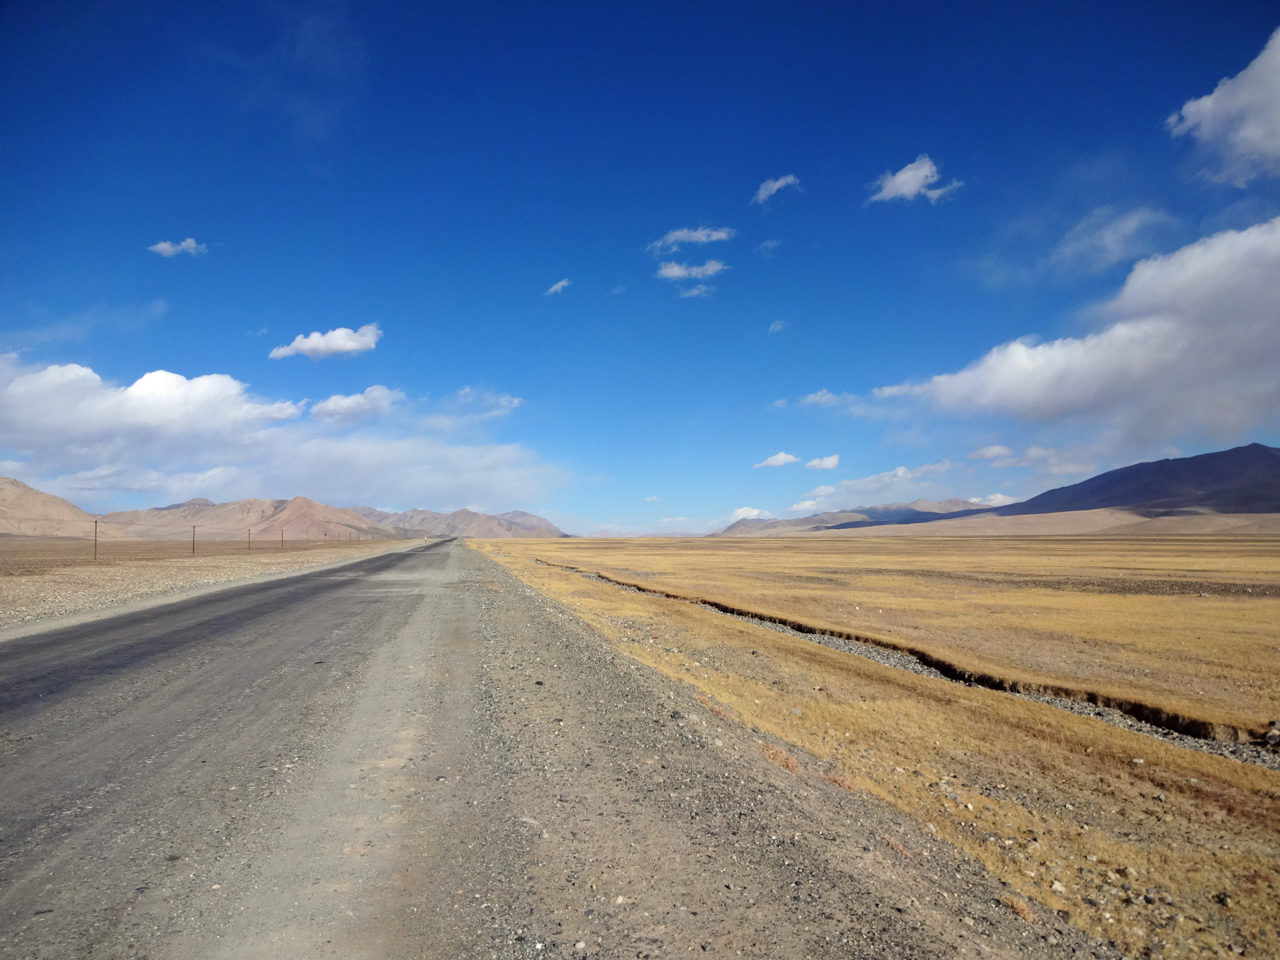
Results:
x,y
636,268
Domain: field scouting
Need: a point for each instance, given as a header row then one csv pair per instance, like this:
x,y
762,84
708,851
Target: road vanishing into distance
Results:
x,y
416,755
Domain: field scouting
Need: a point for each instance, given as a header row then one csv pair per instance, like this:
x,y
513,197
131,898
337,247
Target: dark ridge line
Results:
x,y
1156,716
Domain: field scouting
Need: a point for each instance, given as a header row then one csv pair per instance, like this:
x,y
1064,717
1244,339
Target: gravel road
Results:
x,y
418,756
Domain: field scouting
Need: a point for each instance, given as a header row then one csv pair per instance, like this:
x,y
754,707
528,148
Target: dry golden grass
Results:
x,y
1190,625
1055,804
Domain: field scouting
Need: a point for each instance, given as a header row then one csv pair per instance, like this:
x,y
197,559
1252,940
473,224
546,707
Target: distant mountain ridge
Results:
x,y
915,512
1240,481
464,523
28,512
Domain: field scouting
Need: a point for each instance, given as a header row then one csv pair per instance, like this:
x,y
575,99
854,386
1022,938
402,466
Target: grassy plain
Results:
x,y
1168,851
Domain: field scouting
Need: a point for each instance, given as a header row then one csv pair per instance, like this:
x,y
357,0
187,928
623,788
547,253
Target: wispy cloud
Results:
x,y
701,290
373,401
901,484
341,340
557,287
779,459
770,187
74,328
850,404
1047,461
824,463
913,180
670,270
675,239
767,248
1240,119
777,326
992,452
1107,237
470,406
167,248
309,77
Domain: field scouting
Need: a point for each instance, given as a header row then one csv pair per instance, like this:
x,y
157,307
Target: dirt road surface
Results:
x,y
416,756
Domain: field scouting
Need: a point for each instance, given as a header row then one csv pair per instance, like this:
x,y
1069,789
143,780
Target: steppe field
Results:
x,y
1165,849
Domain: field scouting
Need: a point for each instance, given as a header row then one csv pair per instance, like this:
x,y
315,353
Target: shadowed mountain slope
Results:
x,y
1235,490
1240,480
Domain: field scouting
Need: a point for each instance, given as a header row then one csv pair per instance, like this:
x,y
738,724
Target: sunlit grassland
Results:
x,y
1191,625
1032,791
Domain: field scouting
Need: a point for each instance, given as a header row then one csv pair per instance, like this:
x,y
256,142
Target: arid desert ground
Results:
x,y
890,668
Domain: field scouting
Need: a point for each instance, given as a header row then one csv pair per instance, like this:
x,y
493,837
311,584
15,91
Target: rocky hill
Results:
x,y
464,523
27,512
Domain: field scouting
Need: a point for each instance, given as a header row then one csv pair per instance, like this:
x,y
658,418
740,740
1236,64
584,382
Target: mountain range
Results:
x,y
1235,490
27,512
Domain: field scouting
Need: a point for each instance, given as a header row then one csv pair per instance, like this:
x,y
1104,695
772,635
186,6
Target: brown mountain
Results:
x,y
297,519
464,523
28,512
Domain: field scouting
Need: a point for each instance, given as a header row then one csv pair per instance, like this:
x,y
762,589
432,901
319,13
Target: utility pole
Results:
x,y
95,539
282,538
251,539
193,539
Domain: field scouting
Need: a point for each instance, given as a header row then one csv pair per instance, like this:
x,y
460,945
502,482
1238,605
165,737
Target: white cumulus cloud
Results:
x,y
913,180
167,248
66,430
675,239
557,287
824,463
1191,346
750,513
779,459
342,340
1240,119
770,187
